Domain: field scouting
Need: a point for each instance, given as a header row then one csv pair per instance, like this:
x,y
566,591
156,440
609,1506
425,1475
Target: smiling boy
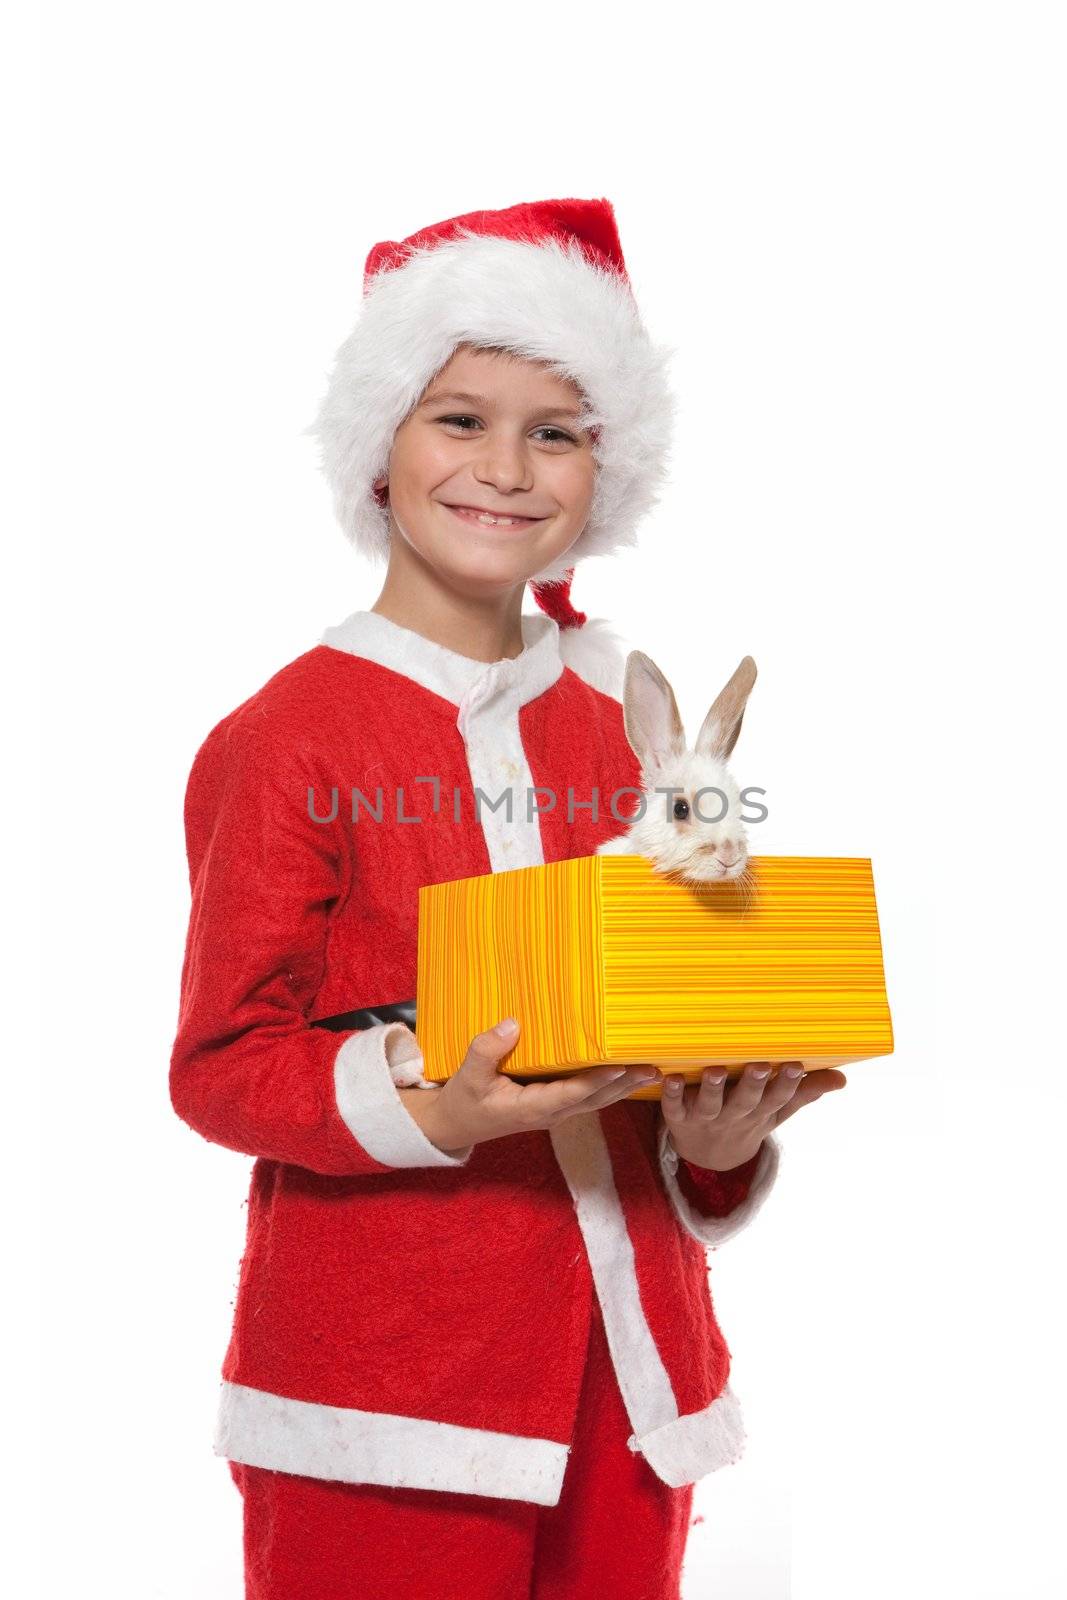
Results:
x,y
473,1351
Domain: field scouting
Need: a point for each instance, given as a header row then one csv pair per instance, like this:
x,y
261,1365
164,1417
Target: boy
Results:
x,y
474,1351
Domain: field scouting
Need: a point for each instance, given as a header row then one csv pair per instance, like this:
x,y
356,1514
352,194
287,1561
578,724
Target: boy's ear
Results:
x,y
650,713
720,728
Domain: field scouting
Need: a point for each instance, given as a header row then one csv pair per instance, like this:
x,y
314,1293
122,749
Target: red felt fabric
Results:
x,y
716,1194
617,1530
589,223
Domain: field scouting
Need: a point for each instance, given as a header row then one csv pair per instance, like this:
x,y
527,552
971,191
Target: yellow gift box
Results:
x,y
603,959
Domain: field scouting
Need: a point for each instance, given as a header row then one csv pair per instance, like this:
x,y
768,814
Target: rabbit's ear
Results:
x,y
650,713
720,728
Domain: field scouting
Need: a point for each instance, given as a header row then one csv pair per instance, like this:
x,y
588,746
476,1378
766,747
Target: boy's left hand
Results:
x,y
720,1128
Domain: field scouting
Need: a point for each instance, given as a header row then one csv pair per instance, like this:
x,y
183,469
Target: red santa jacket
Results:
x,y
406,1316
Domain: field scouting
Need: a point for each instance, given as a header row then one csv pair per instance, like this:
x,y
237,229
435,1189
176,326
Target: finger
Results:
x,y
782,1087
680,1101
747,1091
575,1093
545,1099
635,1078
486,1050
708,1100
631,1078
675,1100
824,1080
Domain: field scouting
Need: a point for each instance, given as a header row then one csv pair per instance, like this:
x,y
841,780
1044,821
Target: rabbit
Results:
x,y
672,832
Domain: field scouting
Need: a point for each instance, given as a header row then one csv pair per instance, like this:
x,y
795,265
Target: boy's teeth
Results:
x,y
489,520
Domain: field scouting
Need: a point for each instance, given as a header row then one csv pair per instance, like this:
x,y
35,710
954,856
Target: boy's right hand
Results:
x,y
478,1102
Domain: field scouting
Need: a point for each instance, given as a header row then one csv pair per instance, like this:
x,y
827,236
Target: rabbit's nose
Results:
x,y
730,852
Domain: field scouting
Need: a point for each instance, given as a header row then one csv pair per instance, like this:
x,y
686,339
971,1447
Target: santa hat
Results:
x,y
546,280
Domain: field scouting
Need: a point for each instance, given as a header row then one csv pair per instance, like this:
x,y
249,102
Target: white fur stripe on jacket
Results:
x,y
674,1445
350,1446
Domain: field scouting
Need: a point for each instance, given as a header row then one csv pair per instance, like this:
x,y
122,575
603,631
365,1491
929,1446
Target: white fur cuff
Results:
x,y
369,1069
714,1231
405,1058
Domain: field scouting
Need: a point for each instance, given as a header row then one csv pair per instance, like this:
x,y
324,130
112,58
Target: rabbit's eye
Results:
x,y
681,810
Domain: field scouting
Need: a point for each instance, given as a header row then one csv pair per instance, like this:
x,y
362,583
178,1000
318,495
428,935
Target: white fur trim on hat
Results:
x,y
546,301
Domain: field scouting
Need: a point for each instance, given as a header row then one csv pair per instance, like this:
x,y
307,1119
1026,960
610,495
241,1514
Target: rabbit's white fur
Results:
x,y
693,847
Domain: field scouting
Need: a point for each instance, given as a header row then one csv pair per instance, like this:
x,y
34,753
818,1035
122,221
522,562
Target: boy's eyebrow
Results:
x,y
483,400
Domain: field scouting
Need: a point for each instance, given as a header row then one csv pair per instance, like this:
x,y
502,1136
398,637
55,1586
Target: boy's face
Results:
x,y
512,447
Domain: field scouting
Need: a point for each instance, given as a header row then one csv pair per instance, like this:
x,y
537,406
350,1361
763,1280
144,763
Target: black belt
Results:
x,y
369,1017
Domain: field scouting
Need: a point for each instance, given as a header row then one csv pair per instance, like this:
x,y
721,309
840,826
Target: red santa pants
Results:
x,y
617,1529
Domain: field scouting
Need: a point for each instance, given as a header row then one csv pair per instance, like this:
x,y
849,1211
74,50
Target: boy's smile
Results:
x,y
493,519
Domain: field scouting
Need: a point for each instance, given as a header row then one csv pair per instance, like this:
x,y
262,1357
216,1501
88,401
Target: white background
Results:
x,y
848,222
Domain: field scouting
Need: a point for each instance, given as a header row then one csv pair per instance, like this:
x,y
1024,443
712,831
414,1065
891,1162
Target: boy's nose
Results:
x,y
506,468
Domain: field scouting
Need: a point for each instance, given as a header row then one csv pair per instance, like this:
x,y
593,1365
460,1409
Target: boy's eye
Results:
x,y
458,421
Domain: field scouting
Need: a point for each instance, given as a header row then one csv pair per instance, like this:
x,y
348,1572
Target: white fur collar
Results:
x,y
446,673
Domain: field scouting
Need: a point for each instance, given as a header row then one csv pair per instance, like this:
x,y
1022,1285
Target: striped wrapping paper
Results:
x,y
603,959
